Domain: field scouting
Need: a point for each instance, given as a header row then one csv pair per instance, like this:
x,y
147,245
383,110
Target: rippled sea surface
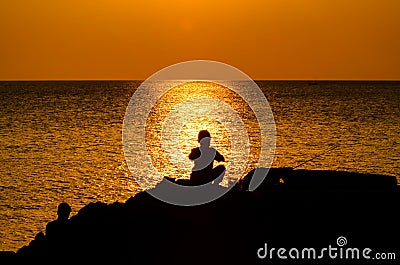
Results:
x,y
62,141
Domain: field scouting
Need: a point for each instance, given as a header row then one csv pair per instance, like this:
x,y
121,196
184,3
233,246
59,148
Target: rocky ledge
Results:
x,y
291,209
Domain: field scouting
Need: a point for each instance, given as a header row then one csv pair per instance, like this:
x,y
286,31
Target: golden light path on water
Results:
x,y
180,105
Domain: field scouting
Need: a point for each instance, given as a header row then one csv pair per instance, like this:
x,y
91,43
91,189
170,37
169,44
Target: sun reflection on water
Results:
x,y
181,105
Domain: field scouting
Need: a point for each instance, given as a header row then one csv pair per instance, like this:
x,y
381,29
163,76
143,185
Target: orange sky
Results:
x,y
267,39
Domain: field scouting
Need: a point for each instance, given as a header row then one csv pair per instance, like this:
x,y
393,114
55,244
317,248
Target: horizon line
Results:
x,y
141,80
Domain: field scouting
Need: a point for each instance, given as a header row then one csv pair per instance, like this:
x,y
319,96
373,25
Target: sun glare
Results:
x,y
177,117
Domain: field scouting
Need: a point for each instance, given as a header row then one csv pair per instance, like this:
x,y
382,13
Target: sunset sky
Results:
x,y
266,39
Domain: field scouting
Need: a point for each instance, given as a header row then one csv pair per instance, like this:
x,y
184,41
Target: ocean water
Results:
x,y
62,141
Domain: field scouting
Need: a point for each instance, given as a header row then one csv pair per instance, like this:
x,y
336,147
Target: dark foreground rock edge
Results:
x,y
291,209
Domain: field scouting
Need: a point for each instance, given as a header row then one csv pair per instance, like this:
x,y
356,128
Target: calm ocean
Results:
x,y
61,141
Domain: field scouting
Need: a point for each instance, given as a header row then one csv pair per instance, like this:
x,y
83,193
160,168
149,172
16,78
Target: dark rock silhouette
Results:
x,y
292,208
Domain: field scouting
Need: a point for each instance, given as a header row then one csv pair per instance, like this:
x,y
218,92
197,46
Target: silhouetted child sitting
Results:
x,y
203,157
58,229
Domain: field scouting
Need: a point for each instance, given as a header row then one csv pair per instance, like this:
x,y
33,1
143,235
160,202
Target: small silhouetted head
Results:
x,y
203,134
63,211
